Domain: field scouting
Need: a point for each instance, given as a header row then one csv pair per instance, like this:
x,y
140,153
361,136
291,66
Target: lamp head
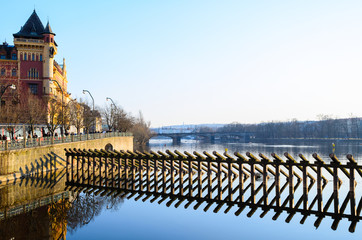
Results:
x,y
13,86
84,91
107,98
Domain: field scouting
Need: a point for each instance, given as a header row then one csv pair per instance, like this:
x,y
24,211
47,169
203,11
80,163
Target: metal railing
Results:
x,y
44,141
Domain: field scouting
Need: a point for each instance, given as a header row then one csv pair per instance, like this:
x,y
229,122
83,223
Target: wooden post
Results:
x,y
105,169
126,172
140,164
230,179
335,187
352,187
148,174
277,182
83,161
264,162
241,181
172,175
112,170
209,179
71,167
164,175
67,165
78,178
94,168
219,179
88,165
190,177
155,172
305,185
291,183
100,170
319,186
199,178
119,172
181,171
133,167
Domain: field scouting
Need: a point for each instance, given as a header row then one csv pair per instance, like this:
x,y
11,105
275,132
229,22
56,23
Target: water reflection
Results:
x,y
231,184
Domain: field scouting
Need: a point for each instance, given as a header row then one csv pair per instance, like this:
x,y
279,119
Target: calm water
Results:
x,y
86,216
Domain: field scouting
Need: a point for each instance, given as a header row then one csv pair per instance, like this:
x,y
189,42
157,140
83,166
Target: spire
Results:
x,y
48,29
32,28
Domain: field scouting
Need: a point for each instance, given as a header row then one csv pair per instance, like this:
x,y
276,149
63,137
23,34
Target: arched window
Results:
x,y
25,55
13,72
41,57
3,72
33,57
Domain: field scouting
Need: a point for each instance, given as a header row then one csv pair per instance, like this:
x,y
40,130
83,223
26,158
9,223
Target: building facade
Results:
x,y
29,64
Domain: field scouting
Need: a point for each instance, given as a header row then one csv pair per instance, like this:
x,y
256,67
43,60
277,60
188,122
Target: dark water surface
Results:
x,y
80,215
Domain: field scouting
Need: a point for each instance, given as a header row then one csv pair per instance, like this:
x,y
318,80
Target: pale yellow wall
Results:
x,y
24,160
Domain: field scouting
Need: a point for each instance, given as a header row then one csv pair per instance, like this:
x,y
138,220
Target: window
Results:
x,y
13,72
41,57
13,56
33,57
25,56
3,72
2,56
33,73
33,87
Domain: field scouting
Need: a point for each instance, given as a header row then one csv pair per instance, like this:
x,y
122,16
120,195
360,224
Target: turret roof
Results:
x,y
32,28
48,29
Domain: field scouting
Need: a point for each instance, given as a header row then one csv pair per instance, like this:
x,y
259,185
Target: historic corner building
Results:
x,y
29,64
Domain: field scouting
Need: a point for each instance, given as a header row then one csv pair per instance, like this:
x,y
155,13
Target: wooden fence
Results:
x,y
276,183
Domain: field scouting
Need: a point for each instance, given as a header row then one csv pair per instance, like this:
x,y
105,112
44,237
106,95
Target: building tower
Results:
x,y
36,49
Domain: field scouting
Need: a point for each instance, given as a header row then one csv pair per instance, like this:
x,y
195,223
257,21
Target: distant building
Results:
x,y
30,64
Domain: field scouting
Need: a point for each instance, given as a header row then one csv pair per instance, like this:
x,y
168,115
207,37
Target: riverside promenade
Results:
x,y
25,157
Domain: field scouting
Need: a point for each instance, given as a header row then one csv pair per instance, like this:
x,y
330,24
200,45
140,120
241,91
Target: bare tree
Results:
x,y
108,115
76,115
88,117
34,111
141,130
54,115
10,116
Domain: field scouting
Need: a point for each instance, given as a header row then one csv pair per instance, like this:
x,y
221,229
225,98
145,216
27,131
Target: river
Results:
x,y
95,217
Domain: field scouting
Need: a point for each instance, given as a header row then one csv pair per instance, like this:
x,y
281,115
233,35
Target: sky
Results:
x,y
207,61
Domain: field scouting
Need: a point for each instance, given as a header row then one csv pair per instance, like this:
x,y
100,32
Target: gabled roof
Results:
x,y
32,28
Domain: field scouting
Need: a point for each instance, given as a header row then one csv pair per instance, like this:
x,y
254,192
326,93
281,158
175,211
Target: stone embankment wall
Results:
x,y
28,160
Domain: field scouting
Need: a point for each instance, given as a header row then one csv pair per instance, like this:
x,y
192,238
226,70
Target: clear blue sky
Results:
x,y
205,61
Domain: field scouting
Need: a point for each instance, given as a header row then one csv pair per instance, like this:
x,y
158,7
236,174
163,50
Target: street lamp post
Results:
x,y
61,89
115,107
86,91
108,98
3,89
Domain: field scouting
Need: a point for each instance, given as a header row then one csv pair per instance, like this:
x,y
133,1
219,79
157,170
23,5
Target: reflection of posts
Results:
x,y
2,91
62,107
86,91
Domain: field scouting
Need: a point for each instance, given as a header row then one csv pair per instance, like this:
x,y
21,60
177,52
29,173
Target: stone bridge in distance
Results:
x,y
207,136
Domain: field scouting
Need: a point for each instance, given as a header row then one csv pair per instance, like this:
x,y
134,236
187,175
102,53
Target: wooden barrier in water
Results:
x,y
224,180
